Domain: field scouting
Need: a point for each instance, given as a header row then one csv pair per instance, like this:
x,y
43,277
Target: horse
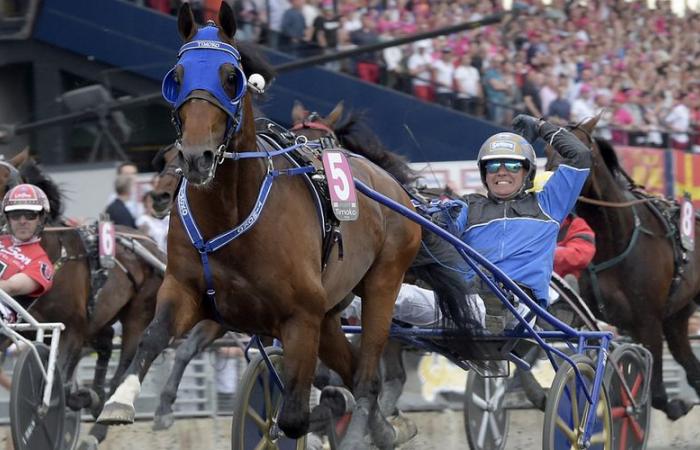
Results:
x,y
352,133
631,282
128,293
270,281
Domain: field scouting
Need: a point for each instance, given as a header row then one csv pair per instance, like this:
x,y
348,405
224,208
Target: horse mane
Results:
x,y
253,61
33,174
607,152
354,134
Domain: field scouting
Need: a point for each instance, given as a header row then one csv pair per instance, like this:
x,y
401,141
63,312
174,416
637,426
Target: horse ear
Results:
x,y
335,115
185,22
20,158
590,123
227,21
299,113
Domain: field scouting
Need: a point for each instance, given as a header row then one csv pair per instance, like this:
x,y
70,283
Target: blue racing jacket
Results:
x,y
520,235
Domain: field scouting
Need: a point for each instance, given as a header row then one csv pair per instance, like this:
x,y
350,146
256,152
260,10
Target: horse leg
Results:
x,y
676,332
650,336
203,334
378,296
103,346
300,337
393,377
172,318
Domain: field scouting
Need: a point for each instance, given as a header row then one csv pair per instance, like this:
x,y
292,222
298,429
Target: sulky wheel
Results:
x,y
628,379
33,425
485,420
71,423
258,401
567,407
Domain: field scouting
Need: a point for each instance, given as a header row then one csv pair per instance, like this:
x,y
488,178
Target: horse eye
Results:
x,y
231,78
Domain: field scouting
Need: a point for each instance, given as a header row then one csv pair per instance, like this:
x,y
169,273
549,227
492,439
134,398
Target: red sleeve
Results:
x,y
41,271
576,250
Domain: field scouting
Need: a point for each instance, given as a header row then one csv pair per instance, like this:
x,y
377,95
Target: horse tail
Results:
x,y
355,134
439,265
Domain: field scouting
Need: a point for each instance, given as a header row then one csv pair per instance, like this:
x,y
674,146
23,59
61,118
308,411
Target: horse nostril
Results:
x,y
205,161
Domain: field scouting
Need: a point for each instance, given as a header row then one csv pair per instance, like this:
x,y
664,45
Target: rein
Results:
x,y
592,201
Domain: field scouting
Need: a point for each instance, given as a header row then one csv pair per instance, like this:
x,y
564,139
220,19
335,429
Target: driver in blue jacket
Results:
x,y
513,227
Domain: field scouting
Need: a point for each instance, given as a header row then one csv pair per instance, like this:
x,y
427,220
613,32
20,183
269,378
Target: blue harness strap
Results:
x,y
210,246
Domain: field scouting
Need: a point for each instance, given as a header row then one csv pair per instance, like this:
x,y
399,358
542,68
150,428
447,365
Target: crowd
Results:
x,y
563,61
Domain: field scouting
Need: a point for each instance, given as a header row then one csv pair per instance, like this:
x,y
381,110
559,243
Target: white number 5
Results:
x,y
342,188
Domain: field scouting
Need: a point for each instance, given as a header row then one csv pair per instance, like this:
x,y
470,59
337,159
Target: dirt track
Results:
x,y
437,431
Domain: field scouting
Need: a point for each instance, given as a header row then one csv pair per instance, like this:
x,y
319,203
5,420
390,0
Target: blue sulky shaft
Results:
x,y
474,259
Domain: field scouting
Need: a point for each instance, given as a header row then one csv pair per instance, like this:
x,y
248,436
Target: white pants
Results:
x,y
416,306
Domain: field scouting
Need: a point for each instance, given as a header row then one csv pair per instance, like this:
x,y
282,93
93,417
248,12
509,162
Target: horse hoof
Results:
x,y
117,414
163,421
677,408
89,442
337,399
404,428
83,398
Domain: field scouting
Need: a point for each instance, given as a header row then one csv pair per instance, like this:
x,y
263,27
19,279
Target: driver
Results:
x,y
25,269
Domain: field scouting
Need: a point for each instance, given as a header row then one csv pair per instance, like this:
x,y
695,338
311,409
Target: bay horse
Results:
x,y
270,281
352,133
630,283
128,293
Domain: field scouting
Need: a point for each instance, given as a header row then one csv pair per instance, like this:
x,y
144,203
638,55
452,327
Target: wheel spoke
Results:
x,y
623,434
266,393
637,429
479,402
262,445
573,394
259,421
619,412
483,426
564,428
495,430
599,438
637,385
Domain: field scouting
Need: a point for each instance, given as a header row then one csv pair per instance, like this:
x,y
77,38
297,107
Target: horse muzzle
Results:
x,y
199,169
162,203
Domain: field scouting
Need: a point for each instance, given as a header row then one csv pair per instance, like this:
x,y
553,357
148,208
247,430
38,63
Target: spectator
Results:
x,y
496,90
531,93
154,227
678,121
468,87
367,65
583,106
325,29
444,70
117,210
420,68
293,28
560,108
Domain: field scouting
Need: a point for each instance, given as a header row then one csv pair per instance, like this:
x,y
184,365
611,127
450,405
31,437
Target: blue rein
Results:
x,y
205,247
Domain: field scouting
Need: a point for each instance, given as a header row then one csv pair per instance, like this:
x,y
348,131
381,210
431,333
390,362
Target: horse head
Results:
x,y
315,126
169,175
207,90
583,130
9,173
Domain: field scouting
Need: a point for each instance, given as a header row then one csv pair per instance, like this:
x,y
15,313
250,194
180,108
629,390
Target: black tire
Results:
x,y
254,425
33,428
485,420
565,413
630,423
71,424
